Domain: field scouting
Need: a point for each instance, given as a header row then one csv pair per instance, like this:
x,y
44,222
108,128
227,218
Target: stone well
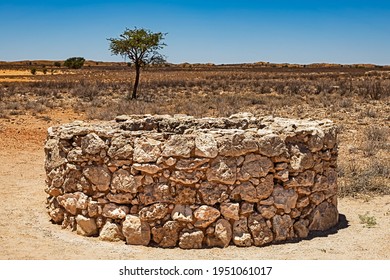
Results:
x,y
180,181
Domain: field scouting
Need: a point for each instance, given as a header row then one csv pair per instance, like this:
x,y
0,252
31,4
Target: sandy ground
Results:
x,y
27,233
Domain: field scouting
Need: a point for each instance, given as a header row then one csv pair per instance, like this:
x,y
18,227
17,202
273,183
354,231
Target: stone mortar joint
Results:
x,y
171,181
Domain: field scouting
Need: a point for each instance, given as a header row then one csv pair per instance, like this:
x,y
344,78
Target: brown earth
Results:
x,y
27,233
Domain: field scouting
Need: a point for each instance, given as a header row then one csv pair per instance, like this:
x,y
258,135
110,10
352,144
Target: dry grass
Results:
x,y
356,99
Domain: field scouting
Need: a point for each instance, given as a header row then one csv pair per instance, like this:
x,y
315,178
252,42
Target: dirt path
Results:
x,y
27,233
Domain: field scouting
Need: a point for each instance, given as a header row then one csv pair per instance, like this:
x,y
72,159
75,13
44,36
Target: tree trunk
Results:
x,y
136,82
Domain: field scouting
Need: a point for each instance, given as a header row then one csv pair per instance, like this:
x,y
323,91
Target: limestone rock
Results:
x,y
92,144
206,146
147,168
157,192
182,213
178,146
146,150
259,229
186,178
234,145
120,148
284,199
205,215
189,164
53,157
300,228
267,211
222,234
254,166
271,145
86,226
230,210
99,176
222,170
245,191
153,212
167,235
136,231
265,187
191,239
113,211
241,235
301,158
185,195
282,227
123,181
111,232
324,217
212,193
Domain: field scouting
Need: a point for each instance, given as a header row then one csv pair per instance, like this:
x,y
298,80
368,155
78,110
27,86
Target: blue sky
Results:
x,y
202,31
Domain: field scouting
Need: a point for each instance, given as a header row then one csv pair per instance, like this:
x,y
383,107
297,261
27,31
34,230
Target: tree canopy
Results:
x,y
141,46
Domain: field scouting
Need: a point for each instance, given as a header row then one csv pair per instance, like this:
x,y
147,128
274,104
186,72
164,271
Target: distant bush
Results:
x,y
74,62
57,64
33,71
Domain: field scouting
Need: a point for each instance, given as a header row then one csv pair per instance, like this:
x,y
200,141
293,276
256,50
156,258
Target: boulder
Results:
x,y
135,231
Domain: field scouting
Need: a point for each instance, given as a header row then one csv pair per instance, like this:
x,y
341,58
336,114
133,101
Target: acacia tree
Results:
x,y
141,46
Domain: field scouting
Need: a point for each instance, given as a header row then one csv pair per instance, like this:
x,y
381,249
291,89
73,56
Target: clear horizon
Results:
x,y
219,32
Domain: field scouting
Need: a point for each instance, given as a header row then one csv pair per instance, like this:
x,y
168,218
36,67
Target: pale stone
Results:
x,y
284,199
123,181
254,166
230,210
114,211
205,146
111,232
156,193
193,163
302,202
86,226
53,157
120,148
186,178
153,212
99,176
147,168
221,236
259,229
324,217
136,231
191,239
182,213
241,235
178,146
92,144
301,158
271,145
146,150
222,170
236,144
205,215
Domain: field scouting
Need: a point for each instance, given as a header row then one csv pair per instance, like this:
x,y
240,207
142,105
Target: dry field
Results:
x,y
357,99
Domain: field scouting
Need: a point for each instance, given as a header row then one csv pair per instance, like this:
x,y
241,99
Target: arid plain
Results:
x,y
356,98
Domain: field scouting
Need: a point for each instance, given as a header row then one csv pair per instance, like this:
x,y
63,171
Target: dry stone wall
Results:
x,y
194,183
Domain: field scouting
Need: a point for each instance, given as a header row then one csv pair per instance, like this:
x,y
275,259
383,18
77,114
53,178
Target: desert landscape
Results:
x,y
355,97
